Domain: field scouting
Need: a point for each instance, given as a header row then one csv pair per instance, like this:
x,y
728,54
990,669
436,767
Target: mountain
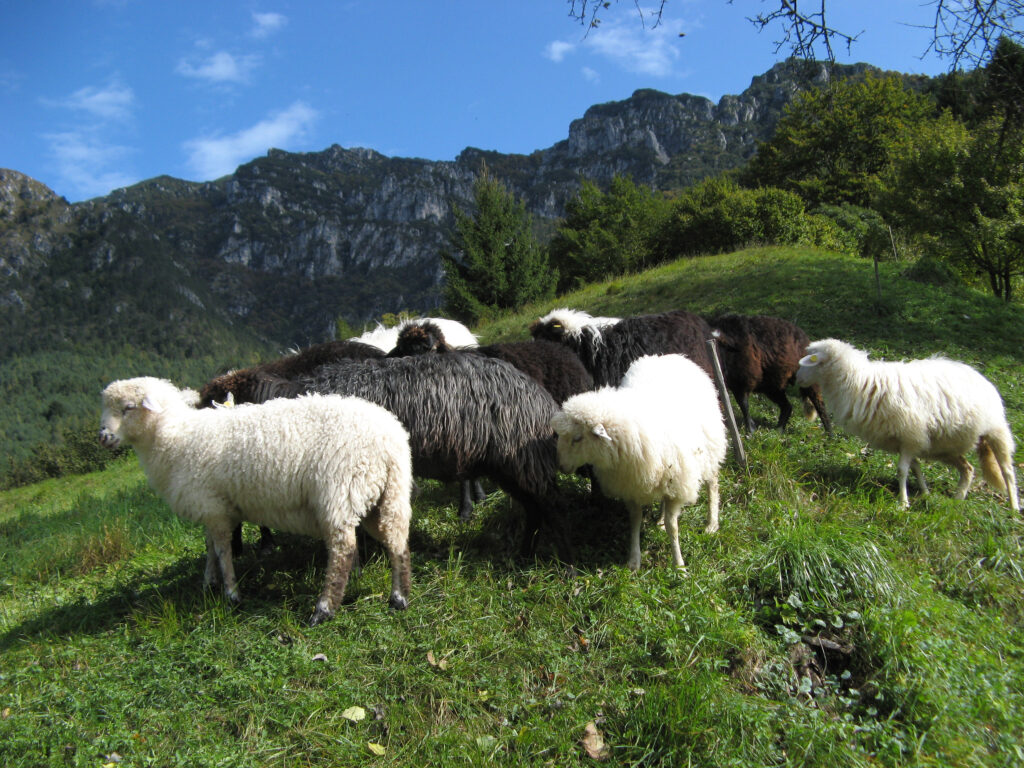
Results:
x,y
292,241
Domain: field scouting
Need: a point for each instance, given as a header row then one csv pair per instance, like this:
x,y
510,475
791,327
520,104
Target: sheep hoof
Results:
x,y
320,616
711,528
234,598
398,602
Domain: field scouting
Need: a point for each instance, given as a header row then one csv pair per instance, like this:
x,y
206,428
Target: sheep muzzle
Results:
x,y
108,439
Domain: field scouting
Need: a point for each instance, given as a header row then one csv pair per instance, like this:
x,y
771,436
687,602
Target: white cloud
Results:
x,y
591,75
221,67
629,44
111,102
557,50
213,157
266,23
84,161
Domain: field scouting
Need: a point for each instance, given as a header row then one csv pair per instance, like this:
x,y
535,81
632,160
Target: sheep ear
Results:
x,y
601,432
811,360
152,405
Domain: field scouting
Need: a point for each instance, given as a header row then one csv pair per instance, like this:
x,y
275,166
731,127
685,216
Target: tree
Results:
x,y
495,262
831,144
606,233
965,190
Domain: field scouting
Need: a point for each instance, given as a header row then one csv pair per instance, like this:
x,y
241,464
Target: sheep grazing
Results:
x,y
608,345
922,409
386,338
318,466
659,436
553,366
467,416
762,354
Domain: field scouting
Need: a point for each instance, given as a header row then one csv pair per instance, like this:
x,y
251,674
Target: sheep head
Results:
x,y
582,439
129,405
822,356
419,338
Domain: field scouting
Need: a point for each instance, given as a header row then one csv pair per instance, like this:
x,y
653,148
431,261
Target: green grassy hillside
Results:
x,y
822,625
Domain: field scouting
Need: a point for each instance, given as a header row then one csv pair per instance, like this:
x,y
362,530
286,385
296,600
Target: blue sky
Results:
x,y
100,94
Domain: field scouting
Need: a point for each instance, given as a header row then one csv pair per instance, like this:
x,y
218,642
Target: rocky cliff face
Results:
x,y
292,241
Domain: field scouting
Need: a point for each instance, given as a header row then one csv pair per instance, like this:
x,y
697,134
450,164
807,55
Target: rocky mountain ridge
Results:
x,y
291,241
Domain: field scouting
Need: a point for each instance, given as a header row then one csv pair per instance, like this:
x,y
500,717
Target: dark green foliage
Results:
x,y
832,144
717,215
495,263
864,231
606,233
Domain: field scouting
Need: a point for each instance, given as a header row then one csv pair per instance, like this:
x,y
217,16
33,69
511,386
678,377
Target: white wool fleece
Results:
x,y
932,409
658,439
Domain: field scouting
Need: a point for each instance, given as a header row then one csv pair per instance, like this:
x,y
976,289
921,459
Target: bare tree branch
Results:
x,y
588,12
803,32
967,31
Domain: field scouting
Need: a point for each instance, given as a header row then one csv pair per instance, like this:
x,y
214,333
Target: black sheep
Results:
x,y
553,366
608,346
762,354
467,416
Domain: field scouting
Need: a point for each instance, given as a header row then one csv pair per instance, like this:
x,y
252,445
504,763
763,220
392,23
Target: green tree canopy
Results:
x,y
606,233
495,262
832,144
964,190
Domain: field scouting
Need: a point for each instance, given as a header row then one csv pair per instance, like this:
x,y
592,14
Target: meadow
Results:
x,y
821,626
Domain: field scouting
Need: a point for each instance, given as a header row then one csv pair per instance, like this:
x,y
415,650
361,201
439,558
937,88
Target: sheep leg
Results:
x,y
813,396
398,555
636,518
966,475
714,501
903,470
218,542
341,551
919,474
670,511
785,407
466,505
479,494
743,399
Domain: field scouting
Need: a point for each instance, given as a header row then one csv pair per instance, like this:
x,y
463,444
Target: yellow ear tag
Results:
x,y
814,358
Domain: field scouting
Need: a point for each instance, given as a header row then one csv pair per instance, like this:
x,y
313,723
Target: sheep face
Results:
x,y
580,442
129,405
820,355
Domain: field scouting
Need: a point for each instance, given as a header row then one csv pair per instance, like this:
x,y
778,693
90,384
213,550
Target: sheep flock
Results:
x,y
327,440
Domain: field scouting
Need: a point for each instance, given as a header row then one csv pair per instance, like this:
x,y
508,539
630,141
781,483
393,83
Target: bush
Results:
x,y
863,228
718,216
74,452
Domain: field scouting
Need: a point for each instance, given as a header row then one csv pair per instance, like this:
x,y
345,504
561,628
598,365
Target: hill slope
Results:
x,y
822,626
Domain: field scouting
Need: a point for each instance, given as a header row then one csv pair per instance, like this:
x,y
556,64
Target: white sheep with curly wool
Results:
x,y
657,437
317,465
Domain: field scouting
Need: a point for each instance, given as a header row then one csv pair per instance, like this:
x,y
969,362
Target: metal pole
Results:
x,y
730,417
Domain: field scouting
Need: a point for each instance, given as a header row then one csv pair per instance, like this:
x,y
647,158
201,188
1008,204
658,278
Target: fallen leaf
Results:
x,y
377,749
434,662
6,713
355,714
593,743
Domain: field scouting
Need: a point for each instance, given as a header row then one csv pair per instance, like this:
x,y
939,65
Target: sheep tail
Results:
x,y
995,452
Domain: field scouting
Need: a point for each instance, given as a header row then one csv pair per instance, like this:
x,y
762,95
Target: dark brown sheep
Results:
x,y
762,354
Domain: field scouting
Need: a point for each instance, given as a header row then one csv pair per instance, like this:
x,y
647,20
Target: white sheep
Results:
x,y
317,465
383,338
922,409
658,437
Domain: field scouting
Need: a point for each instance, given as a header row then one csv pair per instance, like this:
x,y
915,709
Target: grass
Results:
x,y
822,626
